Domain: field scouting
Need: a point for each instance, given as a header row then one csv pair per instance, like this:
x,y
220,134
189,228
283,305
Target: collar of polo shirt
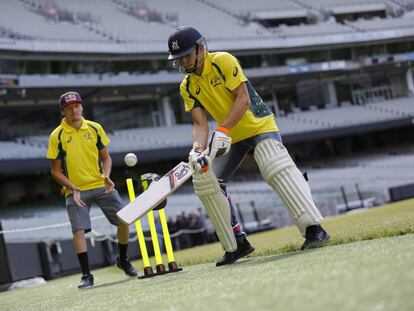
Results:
x,y
69,129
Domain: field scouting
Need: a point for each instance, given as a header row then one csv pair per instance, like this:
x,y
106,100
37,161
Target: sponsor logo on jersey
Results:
x,y
87,136
215,81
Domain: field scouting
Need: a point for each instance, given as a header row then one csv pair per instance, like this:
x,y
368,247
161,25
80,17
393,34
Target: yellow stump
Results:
x,y
167,238
172,265
140,233
154,237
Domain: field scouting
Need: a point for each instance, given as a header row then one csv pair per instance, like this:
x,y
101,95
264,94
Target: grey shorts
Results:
x,y
109,203
225,166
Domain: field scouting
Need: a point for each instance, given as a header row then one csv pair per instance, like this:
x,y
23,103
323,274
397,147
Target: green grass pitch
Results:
x,y
368,265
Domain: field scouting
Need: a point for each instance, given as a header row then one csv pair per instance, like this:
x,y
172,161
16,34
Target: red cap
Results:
x,y
70,98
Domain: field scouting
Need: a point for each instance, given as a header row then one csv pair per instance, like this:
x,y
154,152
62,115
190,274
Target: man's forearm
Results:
x,y
239,108
200,136
63,180
107,166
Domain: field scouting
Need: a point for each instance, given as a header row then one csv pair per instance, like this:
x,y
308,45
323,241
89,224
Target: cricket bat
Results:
x,y
156,193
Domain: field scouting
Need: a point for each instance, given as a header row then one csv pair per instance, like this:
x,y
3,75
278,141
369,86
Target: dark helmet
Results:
x,y
182,41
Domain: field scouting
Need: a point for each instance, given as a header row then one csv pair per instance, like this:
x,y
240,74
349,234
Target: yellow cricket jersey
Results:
x,y
222,74
79,152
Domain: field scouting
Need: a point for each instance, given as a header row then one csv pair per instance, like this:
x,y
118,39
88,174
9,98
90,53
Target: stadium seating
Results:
x,y
307,30
114,21
180,135
331,4
245,7
408,4
398,107
15,150
39,27
385,23
224,25
130,23
118,22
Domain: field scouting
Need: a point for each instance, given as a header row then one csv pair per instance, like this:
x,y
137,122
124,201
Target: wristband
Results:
x,y
199,149
223,129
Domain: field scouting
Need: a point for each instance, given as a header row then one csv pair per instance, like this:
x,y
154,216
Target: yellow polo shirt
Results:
x,y
221,75
79,152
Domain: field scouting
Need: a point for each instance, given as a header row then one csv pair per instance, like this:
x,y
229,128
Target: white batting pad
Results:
x,y
281,173
217,207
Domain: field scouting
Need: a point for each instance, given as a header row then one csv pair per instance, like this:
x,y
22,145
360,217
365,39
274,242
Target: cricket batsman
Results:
x,y
215,83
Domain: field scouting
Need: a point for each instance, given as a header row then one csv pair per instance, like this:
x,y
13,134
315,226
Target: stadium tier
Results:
x,y
385,23
13,12
16,150
179,136
261,5
142,26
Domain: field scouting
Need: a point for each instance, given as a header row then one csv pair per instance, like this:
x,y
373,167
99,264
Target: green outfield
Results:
x,y
374,272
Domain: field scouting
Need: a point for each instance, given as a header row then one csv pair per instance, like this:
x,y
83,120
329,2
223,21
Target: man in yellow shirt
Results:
x,y
82,165
215,84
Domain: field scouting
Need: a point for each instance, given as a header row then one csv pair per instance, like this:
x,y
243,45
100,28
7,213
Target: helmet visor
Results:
x,y
181,54
173,56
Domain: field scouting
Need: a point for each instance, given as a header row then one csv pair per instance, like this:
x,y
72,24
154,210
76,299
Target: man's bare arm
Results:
x,y
58,175
200,129
106,162
107,168
240,105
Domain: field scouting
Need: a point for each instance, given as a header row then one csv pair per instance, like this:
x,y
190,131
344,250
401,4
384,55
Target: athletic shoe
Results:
x,y
244,248
315,236
86,281
126,266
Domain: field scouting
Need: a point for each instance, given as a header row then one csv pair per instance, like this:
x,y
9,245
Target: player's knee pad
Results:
x,y
281,173
217,207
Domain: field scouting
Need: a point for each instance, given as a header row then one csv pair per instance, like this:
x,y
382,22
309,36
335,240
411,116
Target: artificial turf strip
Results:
x,y
386,221
367,275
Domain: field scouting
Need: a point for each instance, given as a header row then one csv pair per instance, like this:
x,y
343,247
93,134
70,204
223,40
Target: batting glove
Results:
x,y
220,142
199,161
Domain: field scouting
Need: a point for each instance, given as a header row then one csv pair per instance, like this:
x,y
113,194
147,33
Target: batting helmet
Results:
x,y
182,41
146,180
